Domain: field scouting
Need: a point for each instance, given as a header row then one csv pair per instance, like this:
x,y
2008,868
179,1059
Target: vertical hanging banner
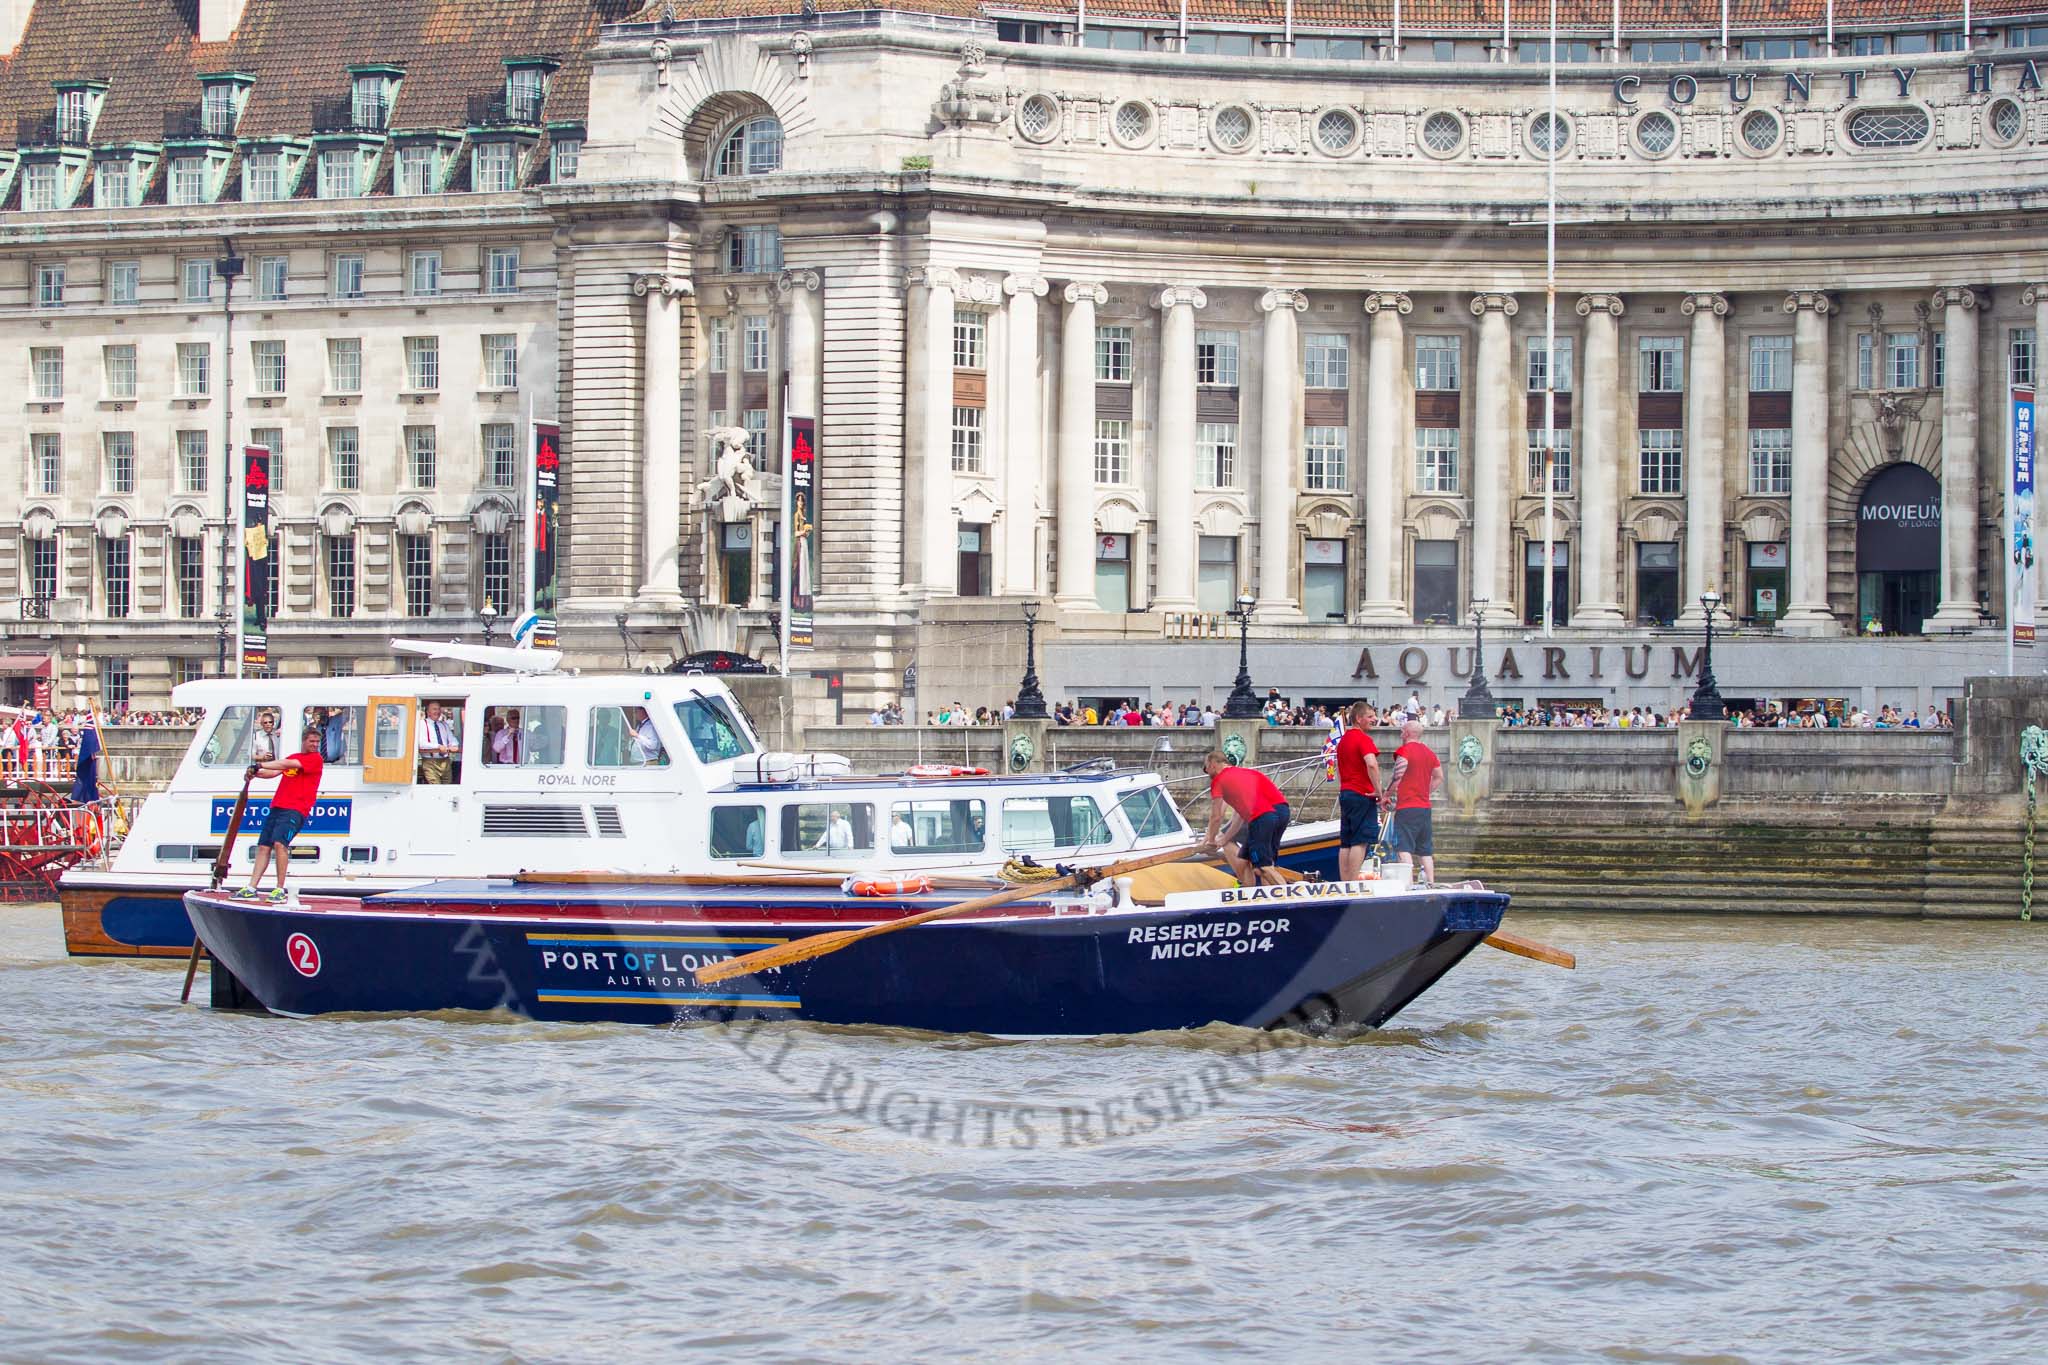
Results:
x,y
803,528
258,563
2020,513
540,559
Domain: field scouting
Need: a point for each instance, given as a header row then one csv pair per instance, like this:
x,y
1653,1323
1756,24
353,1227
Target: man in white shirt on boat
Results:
x,y
838,833
436,742
901,835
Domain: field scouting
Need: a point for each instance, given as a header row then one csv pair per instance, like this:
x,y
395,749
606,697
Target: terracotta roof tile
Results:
x,y
299,52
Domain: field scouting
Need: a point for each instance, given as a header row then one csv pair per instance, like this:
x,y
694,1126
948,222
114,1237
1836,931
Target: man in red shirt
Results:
x,y
1259,817
1417,776
1358,793
299,784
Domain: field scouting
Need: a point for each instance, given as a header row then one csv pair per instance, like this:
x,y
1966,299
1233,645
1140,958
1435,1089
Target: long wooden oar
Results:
x,y
818,945
220,872
708,879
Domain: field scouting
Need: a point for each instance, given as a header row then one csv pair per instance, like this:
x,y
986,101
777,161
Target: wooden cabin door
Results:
x,y
388,756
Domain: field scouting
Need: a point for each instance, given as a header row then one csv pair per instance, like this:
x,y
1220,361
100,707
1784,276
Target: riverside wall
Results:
x,y
1899,822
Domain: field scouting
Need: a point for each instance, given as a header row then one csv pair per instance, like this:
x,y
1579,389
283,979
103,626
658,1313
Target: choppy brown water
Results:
x,y
1757,1139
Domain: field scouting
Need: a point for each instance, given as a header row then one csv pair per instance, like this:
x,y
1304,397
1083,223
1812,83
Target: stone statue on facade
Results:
x,y
733,490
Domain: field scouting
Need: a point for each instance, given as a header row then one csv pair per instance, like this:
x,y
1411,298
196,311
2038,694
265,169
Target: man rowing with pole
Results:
x,y
1259,817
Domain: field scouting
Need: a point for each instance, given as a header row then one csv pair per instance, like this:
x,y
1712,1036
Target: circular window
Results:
x,y
1760,130
1657,133
1443,133
1132,123
1889,128
2006,120
1232,128
1038,117
1548,134
1336,131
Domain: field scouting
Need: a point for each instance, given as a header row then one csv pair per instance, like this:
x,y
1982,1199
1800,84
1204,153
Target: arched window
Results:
x,y
751,148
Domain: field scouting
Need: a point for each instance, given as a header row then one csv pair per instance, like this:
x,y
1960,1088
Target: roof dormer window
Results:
x,y
119,174
372,92
526,87
74,116
220,107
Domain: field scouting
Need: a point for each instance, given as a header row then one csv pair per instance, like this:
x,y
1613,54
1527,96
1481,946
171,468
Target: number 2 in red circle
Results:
x,y
303,954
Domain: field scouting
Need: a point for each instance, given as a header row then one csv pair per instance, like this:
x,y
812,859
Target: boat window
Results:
x,y
737,831
243,735
828,827
341,734
1152,813
623,737
713,732
524,736
1052,824
954,826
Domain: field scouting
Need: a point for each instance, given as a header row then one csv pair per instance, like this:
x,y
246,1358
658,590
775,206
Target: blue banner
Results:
x,y
2021,517
330,815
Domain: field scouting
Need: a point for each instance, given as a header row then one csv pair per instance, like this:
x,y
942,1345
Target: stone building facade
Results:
x,y
1133,312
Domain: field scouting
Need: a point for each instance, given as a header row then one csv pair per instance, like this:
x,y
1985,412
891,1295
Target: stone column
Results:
x,y
929,433
1706,439
803,315
661,407
1959,515
1280,402
1174,447
1807,611
1074,534
1021,471
1385,420
1599,477
1492,377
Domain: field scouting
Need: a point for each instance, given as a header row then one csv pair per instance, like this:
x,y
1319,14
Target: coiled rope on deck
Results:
x,y
2034,761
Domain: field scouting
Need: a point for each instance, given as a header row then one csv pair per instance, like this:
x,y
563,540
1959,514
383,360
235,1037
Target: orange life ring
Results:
x,y
943,770
888,886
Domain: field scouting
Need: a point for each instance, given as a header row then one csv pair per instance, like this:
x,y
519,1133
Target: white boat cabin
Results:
x,y
429,776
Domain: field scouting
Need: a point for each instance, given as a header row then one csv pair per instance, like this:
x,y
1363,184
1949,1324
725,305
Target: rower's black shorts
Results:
x,y
1261,839
1358,819
1412,832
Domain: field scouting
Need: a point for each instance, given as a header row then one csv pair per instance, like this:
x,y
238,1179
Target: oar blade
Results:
x,y
1531,949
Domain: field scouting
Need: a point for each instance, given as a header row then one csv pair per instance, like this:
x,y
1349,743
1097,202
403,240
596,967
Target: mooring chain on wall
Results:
x,y
2034,759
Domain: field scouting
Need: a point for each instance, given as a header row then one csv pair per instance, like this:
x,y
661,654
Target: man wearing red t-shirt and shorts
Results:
x,y
1417,776
1258,818
1358,799
299,784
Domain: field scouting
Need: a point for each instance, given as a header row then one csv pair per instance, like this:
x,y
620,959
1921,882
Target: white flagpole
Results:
x,y
1550,353
530,482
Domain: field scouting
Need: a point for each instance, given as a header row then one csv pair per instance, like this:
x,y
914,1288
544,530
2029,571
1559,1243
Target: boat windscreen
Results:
x,y
712,731
1151,813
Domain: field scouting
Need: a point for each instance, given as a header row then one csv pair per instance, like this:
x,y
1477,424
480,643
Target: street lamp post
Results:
x,y
1243,703
1706,698
1030,698
1478,703
489,614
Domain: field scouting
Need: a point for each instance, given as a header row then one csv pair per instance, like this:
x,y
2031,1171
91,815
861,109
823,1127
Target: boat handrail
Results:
x,y
506,660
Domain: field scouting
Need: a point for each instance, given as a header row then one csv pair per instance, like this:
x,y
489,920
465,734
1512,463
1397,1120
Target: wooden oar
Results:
x,y
1530,948
220,872
818,945
832,879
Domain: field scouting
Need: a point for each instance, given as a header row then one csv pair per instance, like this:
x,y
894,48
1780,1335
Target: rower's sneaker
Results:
x,y
280,896
245,893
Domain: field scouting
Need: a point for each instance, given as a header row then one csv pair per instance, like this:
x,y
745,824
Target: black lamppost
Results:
x,y
1243,703
229,268
1030,699
1478,703
1706,698
489,615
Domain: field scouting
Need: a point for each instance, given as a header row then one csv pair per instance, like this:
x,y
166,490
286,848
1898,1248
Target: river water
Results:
x,y
1719,1139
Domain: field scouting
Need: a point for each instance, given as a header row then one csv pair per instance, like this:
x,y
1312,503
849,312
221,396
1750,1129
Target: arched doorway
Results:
x,y
1898,550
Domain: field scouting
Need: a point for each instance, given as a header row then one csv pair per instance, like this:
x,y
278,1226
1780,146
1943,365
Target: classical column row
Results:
x,y
661,413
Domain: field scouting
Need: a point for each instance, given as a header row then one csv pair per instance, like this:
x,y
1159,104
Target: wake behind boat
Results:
x,y
1095,961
